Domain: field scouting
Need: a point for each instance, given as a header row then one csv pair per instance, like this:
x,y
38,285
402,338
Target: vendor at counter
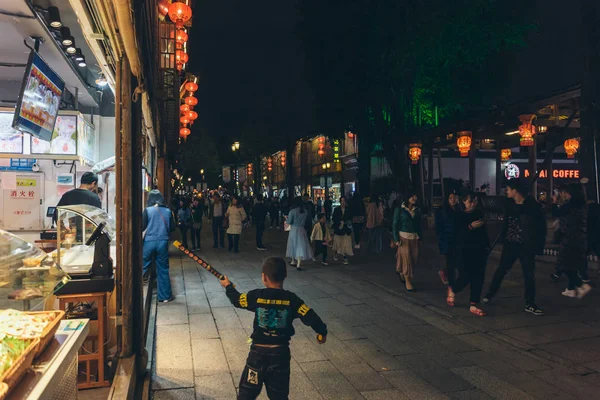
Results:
x,y
84,194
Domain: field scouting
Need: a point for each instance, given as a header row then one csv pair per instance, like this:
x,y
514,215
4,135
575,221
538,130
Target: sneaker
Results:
x,y
487,299
555,278
583,290
443,276
346,262
569,293
335,258
261,248
170,299
533,309
324,263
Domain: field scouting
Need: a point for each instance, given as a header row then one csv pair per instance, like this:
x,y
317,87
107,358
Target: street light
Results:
x,y
202,171
326,166
237,145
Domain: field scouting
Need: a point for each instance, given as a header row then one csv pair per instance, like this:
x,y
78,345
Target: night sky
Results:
x,y
250,63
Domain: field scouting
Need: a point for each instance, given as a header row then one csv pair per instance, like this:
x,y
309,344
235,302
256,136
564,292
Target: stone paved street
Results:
x,y
384,342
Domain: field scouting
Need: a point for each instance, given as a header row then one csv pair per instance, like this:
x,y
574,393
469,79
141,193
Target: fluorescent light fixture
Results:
x,y
511,133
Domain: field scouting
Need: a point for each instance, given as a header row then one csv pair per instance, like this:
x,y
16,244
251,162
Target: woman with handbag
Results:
x,y
157,224
197,214
342,231
184,221
406,230
234,220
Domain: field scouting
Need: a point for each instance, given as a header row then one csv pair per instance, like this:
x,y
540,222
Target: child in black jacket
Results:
x,y
275,310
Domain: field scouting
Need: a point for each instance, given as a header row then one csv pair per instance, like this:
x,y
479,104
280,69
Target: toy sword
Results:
x,y
198,260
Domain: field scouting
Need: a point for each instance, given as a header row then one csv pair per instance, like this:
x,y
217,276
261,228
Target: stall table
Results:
x,y
53,375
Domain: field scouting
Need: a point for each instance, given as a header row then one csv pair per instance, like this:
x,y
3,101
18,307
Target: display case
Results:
x,y
27,274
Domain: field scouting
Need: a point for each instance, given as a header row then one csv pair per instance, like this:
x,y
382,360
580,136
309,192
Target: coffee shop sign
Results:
x,y
512,171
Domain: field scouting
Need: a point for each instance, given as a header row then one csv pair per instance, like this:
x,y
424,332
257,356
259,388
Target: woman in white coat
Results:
x,y
236,216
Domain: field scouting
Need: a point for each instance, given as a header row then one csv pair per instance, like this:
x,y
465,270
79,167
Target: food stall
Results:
x,y
52,352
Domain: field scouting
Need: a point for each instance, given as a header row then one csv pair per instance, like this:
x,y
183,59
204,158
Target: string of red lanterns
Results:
x,y
180,13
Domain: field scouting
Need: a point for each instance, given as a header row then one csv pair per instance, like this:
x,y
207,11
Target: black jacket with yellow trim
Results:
x,y
274,314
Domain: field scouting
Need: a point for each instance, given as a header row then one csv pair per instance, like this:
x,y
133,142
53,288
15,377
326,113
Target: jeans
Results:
x,y
376,239
510,253
321,248
184,236
357,228
268,366
159,250
234,242
218,232
196,237
260,229
473,273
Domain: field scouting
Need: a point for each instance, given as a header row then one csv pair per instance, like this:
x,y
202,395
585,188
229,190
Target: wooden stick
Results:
x,y
198,260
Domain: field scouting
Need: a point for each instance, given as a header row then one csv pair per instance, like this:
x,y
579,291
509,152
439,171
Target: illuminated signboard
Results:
x,y
558,173
336,151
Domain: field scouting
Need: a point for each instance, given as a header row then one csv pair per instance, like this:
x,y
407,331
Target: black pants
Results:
x,y
184,235
196,237
357,228
473,274
234,242
320,248
274,218
260,229
582,271
574,280
218,232
510,253
268,366
451,267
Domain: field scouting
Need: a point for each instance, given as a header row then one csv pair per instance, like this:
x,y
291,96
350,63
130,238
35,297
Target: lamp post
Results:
x,y
326,167
235,147
202,179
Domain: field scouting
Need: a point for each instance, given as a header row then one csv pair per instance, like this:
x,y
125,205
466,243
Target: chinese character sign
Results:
x,y
22,204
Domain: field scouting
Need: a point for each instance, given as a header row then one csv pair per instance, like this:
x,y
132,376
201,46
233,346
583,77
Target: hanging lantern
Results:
x,y
184,108
191,101
181,57
270,164
180,38
184,132
464,142
192,115
249,169
505,154
180,13
184,120
321,152
350,135
282,159
571,147
414,152
191,86
527,130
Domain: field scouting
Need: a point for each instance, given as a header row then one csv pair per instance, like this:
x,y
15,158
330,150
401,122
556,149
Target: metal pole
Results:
x,y
596,165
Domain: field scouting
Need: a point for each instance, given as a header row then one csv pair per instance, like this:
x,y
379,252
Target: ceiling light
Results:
x,y
66,38
54,17
82,63
71,49
79,56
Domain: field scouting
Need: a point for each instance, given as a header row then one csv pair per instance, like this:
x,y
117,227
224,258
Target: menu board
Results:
x,y
63,141
40,99
11,141
86,141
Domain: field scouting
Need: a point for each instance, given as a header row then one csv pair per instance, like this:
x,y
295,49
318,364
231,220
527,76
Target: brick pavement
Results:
x,y
384,343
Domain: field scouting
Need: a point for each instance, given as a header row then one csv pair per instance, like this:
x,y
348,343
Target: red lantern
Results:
x,y
350,135
180,13
191,101
270,164
192,115
191,86
414,152
180,37
184,108
505,154
181,57
464,143
321,152
184,132
527,129
282,159
571,147
184,120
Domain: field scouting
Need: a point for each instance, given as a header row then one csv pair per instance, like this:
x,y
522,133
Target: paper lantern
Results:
x,y
505,154
184,132
192,115
184,120
527,130
350,135
191,101
571,147
414,152
180,13
181,57
270,164
282,159
180,38
184,108
321,152
191,86
464,142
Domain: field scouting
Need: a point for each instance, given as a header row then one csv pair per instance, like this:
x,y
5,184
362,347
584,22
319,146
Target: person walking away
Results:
x,y
524,234
444,227
359,214
572,252
472,246
406,229
260,214
236,216
375,224
274,213
328,205
184,221
310,210
321,237
298,247
157,224
342,231
197,215
275,310
216,213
